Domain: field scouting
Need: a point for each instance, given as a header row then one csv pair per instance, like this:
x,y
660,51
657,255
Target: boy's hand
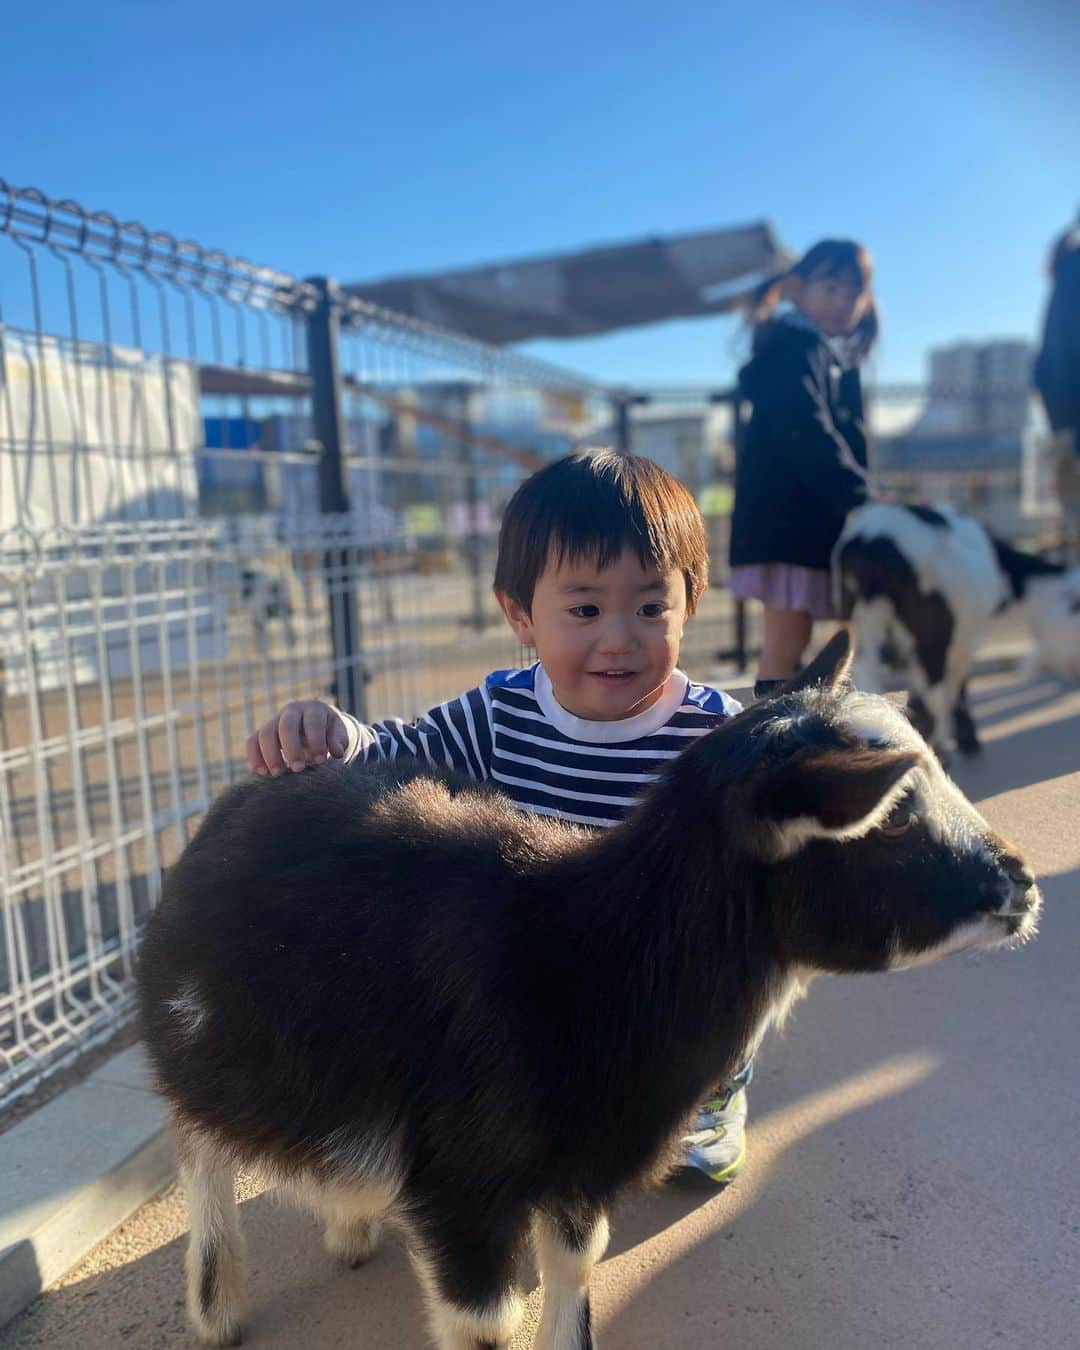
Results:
x,y
303,733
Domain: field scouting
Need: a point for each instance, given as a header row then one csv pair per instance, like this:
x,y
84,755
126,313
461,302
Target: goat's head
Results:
x,y
869,857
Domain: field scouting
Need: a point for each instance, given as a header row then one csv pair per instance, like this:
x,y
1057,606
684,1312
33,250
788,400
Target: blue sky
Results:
x,y
365,141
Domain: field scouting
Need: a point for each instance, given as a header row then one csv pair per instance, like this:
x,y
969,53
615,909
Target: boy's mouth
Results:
x,y
613,676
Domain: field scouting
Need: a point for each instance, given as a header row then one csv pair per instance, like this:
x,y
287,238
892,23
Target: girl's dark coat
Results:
x,y
801,467
1057,369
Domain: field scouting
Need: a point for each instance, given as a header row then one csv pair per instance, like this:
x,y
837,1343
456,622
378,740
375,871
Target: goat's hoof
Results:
x,y
969,748
216,1326
230,1336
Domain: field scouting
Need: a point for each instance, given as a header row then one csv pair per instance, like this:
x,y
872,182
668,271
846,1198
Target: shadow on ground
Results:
x,y
1030,732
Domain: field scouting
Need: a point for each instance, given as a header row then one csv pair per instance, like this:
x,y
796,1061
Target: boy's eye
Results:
x,y
653,610
584,611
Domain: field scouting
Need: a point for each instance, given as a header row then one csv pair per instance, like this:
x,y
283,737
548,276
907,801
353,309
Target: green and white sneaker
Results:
x,y
715,1150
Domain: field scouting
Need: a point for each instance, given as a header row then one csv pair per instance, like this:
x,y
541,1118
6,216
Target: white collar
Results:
x,y
609,733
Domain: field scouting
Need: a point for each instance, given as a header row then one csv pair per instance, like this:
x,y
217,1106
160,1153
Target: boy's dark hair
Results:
x,y
594,504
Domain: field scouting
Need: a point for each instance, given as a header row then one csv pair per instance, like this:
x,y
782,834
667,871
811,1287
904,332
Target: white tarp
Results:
x,y
90,434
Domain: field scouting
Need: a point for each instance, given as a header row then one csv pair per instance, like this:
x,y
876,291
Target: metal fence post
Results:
x,y
621,408
324,364
473,542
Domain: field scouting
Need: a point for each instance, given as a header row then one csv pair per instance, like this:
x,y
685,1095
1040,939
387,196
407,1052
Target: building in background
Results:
x,y
974,437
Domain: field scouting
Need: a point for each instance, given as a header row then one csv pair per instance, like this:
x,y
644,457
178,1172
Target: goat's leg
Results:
x,y
468,1276
567,1248
967,738
353,1222
216,1273
920,717
928,709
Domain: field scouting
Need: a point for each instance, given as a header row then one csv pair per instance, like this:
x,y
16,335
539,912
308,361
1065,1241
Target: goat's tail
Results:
x,y
216,1265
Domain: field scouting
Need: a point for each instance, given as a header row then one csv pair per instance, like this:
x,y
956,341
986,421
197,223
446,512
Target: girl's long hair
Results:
x,y
827,258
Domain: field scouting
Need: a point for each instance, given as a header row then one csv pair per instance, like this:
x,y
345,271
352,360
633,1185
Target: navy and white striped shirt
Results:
x,y
511,730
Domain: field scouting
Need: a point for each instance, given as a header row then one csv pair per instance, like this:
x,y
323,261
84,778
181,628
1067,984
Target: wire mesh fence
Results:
x,y
221,487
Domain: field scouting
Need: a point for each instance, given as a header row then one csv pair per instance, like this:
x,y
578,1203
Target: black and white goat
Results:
x,y
921,585
405,998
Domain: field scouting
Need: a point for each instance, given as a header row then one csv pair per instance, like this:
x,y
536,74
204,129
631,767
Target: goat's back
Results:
x,y
944,554
322,942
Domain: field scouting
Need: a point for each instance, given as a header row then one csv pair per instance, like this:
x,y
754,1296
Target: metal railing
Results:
x,y
221,487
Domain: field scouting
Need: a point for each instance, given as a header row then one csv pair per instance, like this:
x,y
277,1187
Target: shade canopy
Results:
x,y
595,290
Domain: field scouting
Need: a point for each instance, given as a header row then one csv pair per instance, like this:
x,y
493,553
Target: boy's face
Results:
x,y
608,640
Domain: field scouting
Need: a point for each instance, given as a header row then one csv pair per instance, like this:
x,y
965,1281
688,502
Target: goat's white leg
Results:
x,y
216,1273
873,622
566,1251
353,1223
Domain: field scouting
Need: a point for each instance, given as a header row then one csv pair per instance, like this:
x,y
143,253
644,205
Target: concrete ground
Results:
x,y
912,1176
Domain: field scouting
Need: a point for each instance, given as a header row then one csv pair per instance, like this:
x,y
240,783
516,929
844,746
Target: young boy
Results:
x,y
602,559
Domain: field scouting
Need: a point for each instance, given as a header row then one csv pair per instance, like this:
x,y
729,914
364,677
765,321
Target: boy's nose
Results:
x,y
617,637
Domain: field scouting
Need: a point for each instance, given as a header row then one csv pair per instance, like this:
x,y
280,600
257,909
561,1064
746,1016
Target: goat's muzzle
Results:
x,y
1021,899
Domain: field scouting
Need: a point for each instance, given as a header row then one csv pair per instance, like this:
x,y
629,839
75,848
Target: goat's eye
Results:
x,y
899,820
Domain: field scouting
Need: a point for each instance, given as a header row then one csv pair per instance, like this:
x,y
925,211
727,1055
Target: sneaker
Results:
x,y
716,1148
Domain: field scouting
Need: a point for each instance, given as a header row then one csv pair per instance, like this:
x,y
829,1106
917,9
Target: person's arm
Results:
x,y
1057,369
454,735
806,439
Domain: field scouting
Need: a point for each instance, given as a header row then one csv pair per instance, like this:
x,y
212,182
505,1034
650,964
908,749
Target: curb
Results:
x,y
73,1171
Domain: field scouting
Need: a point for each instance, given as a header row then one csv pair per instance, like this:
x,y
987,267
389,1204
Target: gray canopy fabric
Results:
x,y
595,290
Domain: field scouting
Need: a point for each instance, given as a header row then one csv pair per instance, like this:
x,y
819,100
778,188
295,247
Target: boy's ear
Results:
x,y
517,617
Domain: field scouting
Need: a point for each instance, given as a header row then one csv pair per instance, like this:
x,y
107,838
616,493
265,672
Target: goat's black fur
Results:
x,y
391,969
1019,567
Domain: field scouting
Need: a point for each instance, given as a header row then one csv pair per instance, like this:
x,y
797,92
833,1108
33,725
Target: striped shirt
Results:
x,y
511,730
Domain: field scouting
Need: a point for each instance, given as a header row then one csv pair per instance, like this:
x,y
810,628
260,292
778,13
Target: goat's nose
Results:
x,y
1023,892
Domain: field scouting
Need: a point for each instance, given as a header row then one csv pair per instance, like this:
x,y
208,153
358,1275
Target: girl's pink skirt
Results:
x,y
785,586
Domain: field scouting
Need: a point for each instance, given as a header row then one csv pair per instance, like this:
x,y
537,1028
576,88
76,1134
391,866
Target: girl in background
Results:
x,y
1057,378
802,465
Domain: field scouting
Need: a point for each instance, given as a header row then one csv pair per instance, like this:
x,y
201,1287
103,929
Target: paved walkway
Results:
x,y
912,1178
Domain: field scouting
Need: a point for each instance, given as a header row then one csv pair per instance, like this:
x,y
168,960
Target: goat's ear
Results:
x,y
829,666
840,792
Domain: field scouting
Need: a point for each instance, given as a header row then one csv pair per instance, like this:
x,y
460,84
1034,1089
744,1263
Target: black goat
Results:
x,y
403,996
